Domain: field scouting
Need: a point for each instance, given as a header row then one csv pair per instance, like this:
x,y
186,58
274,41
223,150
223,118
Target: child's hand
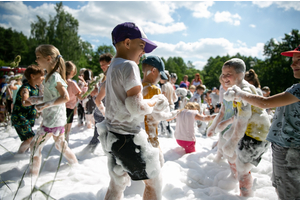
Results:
x,y
40,107
233,94
35,100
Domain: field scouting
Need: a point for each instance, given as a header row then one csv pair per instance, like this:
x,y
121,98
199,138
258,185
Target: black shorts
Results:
x,y
130,155
251,150
70,115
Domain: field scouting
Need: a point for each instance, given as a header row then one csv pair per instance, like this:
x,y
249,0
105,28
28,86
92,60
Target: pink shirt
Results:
x,y
185,122
73,90
187,83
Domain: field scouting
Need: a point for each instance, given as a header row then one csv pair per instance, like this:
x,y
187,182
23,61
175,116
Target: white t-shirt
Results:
x,y
169,92
185,129
122,75
54,116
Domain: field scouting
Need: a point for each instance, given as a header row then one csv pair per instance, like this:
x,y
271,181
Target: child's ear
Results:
x,y
127,42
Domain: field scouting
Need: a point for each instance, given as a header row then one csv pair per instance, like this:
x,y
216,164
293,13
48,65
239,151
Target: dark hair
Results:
x,y
200,87
32,69
252,76
105,57
218,105
56,59
88,75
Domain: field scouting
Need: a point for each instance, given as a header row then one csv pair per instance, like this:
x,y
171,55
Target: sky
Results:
x,y
193,30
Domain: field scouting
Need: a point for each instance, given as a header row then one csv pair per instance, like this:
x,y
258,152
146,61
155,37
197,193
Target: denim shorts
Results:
x,y
286,172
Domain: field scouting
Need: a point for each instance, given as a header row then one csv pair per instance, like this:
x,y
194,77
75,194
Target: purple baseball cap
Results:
x,y
132,31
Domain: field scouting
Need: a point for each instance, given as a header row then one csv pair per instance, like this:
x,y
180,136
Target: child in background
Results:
x,y
74,93
170,94
99,112
153,70
15,88
53,106
89,103
192,90
197,96
83,87
185,129
284,131
23,115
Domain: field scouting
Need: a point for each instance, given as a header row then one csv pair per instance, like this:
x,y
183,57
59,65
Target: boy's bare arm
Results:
x,y
211,130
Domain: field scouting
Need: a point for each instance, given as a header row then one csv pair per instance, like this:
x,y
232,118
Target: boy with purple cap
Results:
x,y
124,142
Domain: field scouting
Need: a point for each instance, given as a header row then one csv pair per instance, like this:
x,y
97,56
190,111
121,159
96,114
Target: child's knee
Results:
x,y
61,144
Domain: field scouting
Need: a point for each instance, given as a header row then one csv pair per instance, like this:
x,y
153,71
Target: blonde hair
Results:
x,y
193,87
56,59
70,66
192,106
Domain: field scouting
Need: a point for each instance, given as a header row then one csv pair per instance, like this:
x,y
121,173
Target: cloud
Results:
x,y
252,25
200,9
19,16
200,51
226,16
98,17
280,4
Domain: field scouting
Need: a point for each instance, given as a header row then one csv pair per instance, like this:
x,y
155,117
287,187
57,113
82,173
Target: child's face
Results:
x,y
296,65
104,65
229,76
41,61
173,80
136,48
192,90
200,91
37,79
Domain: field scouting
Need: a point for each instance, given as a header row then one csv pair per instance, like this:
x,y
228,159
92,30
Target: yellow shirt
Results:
x,y
149,91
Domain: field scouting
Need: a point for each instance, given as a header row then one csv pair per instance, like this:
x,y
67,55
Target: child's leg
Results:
x,y
67,131
36,147
25,145
245,178
153,188
189,146
62,146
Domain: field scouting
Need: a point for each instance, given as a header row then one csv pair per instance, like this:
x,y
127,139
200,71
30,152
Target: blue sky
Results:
x,y
194,30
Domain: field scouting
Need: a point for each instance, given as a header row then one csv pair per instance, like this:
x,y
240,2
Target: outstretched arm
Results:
x,y
212,129
278,100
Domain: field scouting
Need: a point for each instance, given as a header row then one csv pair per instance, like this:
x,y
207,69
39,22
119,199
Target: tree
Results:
x,y
62,32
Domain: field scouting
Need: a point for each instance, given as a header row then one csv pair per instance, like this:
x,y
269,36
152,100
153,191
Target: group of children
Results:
x,y
133,152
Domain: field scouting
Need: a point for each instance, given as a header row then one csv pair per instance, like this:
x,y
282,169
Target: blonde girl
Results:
x,y
185,130
52,104
74,93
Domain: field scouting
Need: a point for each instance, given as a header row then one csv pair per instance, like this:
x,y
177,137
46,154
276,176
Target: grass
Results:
x,y
34,188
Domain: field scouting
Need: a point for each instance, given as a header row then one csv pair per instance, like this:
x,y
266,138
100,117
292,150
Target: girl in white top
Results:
x,y
53,106
185,129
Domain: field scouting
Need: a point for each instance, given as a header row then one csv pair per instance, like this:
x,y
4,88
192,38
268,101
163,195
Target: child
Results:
x,y
74,93
246,138
99,112
83,87
88,103
197,97
185,130
170,94
15,88
153,70
23,115
192,90
53,106
121,136
284,131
